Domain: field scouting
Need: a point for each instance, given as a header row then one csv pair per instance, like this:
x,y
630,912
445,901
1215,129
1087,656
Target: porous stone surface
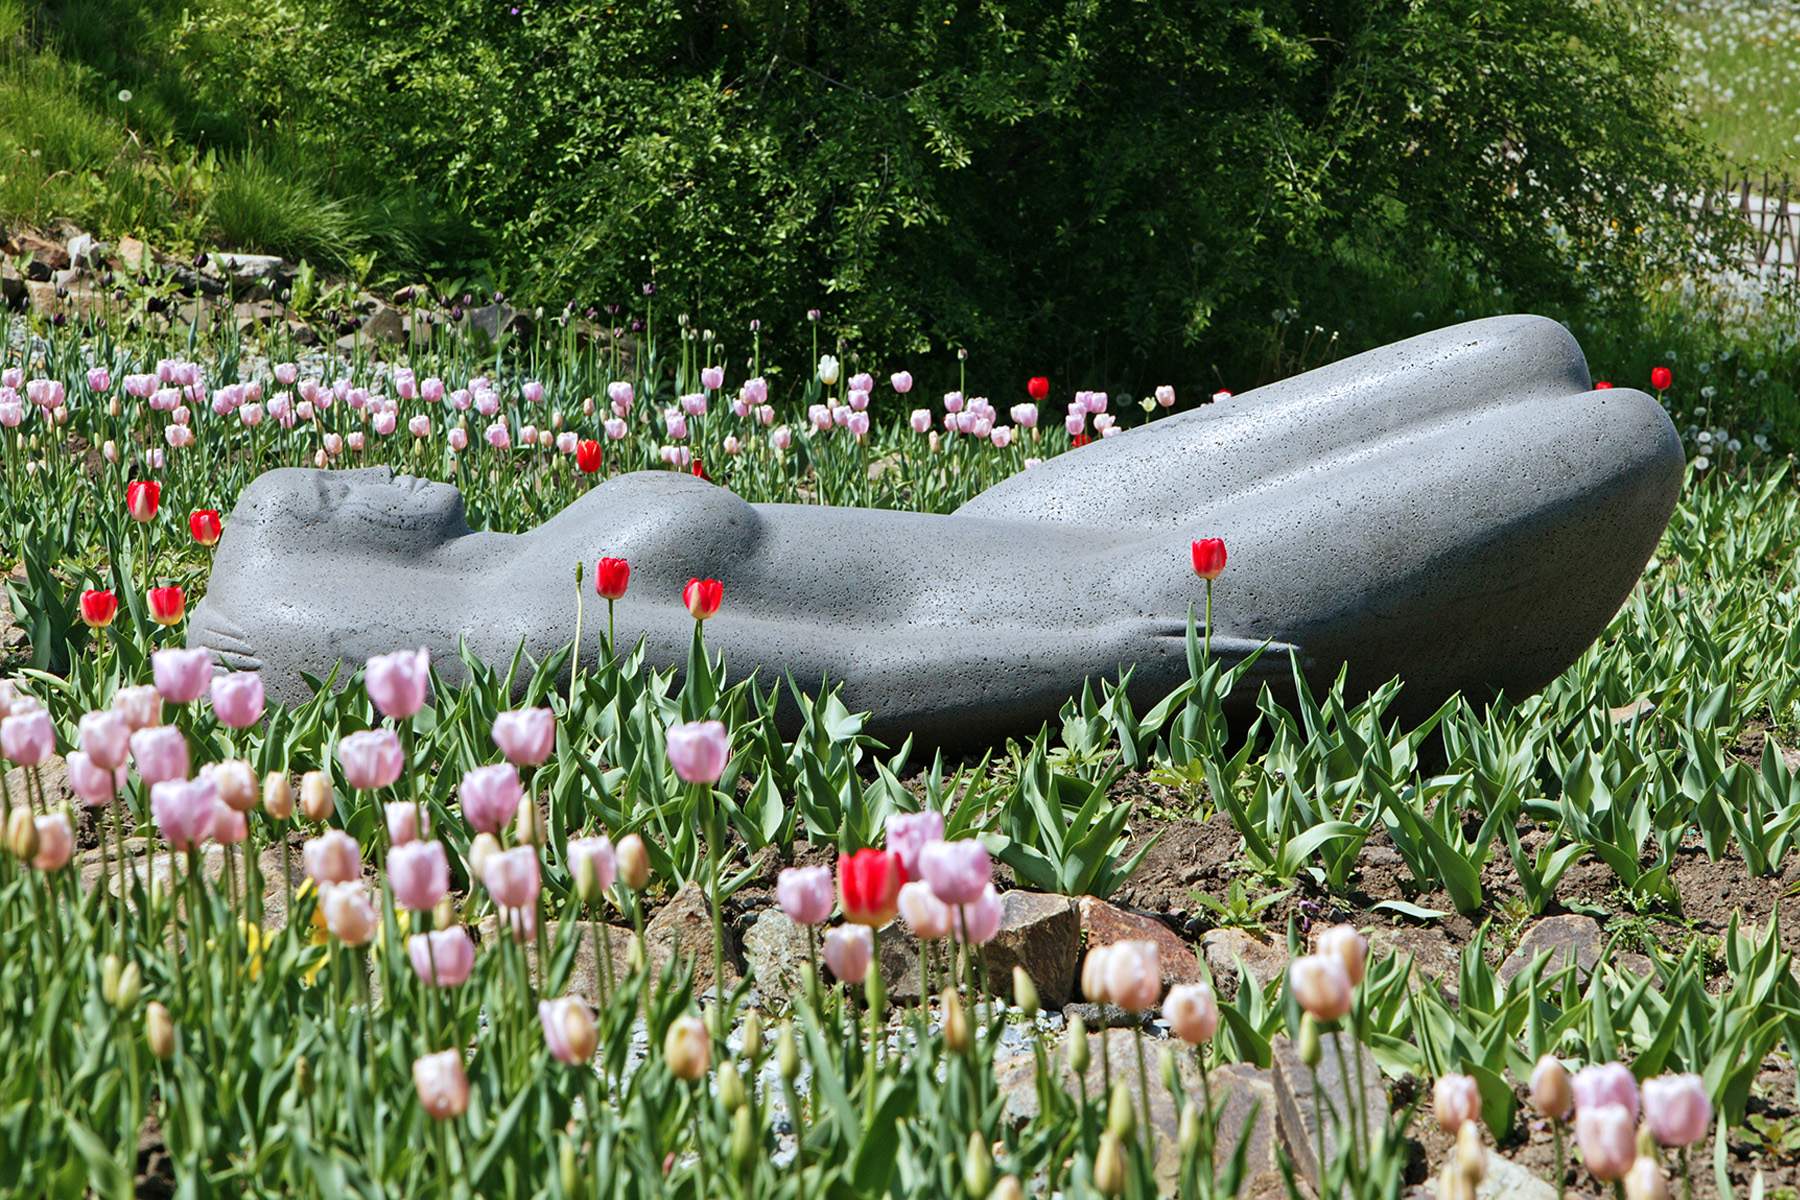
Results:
x,y
1343,1094
1042,934
1569,938
1103,923
1461,509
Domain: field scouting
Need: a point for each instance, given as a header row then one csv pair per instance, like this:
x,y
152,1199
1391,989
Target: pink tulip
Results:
x,y
419,425
511,877
619,392
1025,416
458,439
398,683
1607,1135
598,854
1455,1100
1606,1083
333,444
1133,976
419,874
141,706
712,378
1165,396
1192,1012
755,391
372,758
568,1026
237,699
1677,1109
781,439
99,379
95,785
806,894
55,842
1551,1091
490,796
1321,986
349,914
179,437
184,810
332,857
236,782
1075,424
431,390
532,392
902,381
161,754
27,737
927,918
229,826
909,833
403,822
443,957
977,923
614,428
526,736
698,750
957,871
1349,947
848,950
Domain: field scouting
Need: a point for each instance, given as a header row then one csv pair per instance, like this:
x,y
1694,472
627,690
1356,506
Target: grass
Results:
x,y
1741,62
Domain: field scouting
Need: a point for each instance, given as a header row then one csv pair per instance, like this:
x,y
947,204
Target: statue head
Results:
x,y
365,512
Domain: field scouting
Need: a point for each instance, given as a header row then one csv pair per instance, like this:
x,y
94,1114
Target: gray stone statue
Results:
x,y
1460,509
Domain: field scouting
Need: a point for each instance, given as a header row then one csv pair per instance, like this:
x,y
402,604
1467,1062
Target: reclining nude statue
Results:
x,y
1462,509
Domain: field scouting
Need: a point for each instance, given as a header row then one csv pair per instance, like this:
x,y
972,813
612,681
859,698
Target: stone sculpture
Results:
x,y
1461,509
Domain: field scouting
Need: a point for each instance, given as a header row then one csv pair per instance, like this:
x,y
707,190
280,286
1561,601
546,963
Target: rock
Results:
x,y
1102,924
68,277
683,928
1042,934
582,978
775,953
1224,949
251,276
1502,1180
12,286
42,295
385,324
495,321
1569,938
899,952
1248,1094
1433,955
86,252
46,256
248,314
53,774
149,866
133,255
1297,1109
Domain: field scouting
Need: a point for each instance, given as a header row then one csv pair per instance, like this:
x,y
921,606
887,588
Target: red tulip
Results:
x,y
1037,387
1661,378
699,469
869,883
1601,385
167,605
1079,440
141,499
1209,558
587,456
702,597
98,608
611,577
204,524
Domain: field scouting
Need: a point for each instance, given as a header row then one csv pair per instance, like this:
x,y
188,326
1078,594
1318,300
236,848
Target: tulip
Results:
x,y
569,1030
98,608
1608,1139
1661,378
1677,1109
1192,1012
902,381
1455,1099
159,1031
526,736
634,862
93,784
611,577
419,874
869,886
712,378
55,842
27,737
1209,558
229,826
1550,1089
141,498
698,750
181,676
399,682
702,597
349,914
403,822
1606,1083
594,859
1037,387
848,951
161,754
277,796
316,799
1109,1165
1348,947
957,871
457,438
237,699
1321,986
21,834
1133,975
511,877
184,810
687,1048
442,1085
977,923
204,525
828,370
372,758
805,894
1093,974
587,456
140,706
235,780
167,605
909,833
442,957
1646,1181
927,918
490,796
332,857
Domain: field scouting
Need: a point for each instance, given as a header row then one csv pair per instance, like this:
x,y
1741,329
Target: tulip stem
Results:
x,y
1562,1162
1209,584
1137,1030
698,1096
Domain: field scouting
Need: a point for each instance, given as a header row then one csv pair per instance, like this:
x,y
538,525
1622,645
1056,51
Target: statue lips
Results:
x,y
1459,509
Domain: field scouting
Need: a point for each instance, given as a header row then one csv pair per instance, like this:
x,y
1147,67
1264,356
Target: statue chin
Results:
x,y
1461,509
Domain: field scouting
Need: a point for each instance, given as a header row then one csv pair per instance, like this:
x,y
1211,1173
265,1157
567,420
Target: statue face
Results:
x,y
369,510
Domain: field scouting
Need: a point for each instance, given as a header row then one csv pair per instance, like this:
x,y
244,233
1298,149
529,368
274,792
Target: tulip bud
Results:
x,y
278,797
634,862
1471,1155
1551,1092
109,449
316,801
303,1076
483,847
1025,993
1188,1135
956,1023
1170,1076
1008,1188
21,834
1075,1042
159,1030
443,915
587,879
743,1139
688,1048
1109,1165
528,827
1311,1050
752,1036
1645,1180
110,969
978,1167
236,781
787,1053
1121,1117
1452,1186
731,1087
565,1162
131,982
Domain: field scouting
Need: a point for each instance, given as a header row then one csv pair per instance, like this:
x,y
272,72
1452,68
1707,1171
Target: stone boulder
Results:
x,y
1102,924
